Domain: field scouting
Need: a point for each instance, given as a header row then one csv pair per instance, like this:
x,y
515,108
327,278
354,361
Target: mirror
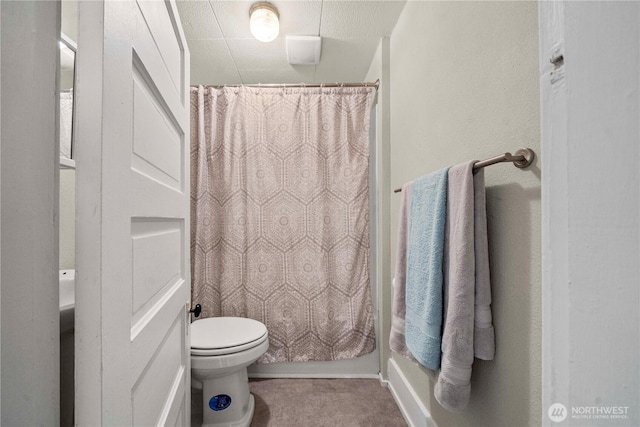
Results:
x,y
68,50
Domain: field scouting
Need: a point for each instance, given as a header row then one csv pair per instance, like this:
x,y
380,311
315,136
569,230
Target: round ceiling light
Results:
x,y
264,23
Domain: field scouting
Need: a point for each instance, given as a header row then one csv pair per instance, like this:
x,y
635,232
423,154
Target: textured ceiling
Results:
x,y
224,52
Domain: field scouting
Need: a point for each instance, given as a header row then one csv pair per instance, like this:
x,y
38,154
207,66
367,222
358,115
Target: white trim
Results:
x,y
556,335
30,340
66,163
383,383
310,375
590,198
411,407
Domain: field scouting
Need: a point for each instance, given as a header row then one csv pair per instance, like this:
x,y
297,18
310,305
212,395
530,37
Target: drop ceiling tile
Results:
x,y
297,74
211,63
347,18
233,17
198,20
350,30
299,18
386,17
345,60
256,55
296,17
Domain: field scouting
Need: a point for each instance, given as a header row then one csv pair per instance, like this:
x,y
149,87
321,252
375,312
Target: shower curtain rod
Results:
x,y
522,159
375,84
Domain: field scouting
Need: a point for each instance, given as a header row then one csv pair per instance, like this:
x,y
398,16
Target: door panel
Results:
x,y
169,47
164,372
156,143
157,247
133,215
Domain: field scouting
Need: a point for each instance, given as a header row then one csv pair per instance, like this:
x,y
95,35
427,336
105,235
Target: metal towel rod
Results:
x,y
521,159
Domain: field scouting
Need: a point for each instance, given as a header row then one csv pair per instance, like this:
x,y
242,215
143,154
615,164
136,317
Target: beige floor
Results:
x,y
323,402
316,403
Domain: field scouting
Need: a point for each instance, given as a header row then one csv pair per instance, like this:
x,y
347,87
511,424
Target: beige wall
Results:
x,y
464,85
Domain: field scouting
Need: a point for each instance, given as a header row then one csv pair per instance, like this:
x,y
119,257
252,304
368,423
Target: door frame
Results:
x,y
29,161
589,90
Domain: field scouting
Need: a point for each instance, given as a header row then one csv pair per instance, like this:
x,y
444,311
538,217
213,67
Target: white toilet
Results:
x,y
221,350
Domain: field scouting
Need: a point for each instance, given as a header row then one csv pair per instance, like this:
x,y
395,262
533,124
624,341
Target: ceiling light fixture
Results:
x,y
264,22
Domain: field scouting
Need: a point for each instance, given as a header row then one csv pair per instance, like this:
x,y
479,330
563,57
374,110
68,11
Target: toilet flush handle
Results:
x,y
197,310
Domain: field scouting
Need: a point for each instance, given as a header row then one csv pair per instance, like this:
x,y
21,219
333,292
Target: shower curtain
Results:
x,y
279,222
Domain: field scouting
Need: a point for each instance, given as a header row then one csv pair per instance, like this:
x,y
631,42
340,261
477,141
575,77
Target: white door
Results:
x,y
133,270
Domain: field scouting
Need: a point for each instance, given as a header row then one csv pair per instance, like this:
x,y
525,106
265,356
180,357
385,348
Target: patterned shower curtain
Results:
x,y
280,215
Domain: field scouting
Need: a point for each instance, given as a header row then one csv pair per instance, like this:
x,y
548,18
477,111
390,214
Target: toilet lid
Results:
x,y
225,332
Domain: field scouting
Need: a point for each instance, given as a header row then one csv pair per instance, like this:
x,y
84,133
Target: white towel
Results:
x,y
483,334
397,339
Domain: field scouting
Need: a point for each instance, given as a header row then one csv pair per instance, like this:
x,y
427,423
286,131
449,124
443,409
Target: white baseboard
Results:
x,y
413,410
263,375
383,383
366,366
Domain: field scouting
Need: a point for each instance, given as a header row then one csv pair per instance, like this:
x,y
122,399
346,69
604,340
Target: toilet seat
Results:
x,y
216,336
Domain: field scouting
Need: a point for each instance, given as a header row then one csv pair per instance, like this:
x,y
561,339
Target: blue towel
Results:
x,y
424,267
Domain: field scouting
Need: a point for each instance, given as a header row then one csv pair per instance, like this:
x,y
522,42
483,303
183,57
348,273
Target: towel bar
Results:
x,y
521,159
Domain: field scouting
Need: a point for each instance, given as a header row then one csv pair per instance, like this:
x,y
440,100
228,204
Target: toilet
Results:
x,y
221,350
